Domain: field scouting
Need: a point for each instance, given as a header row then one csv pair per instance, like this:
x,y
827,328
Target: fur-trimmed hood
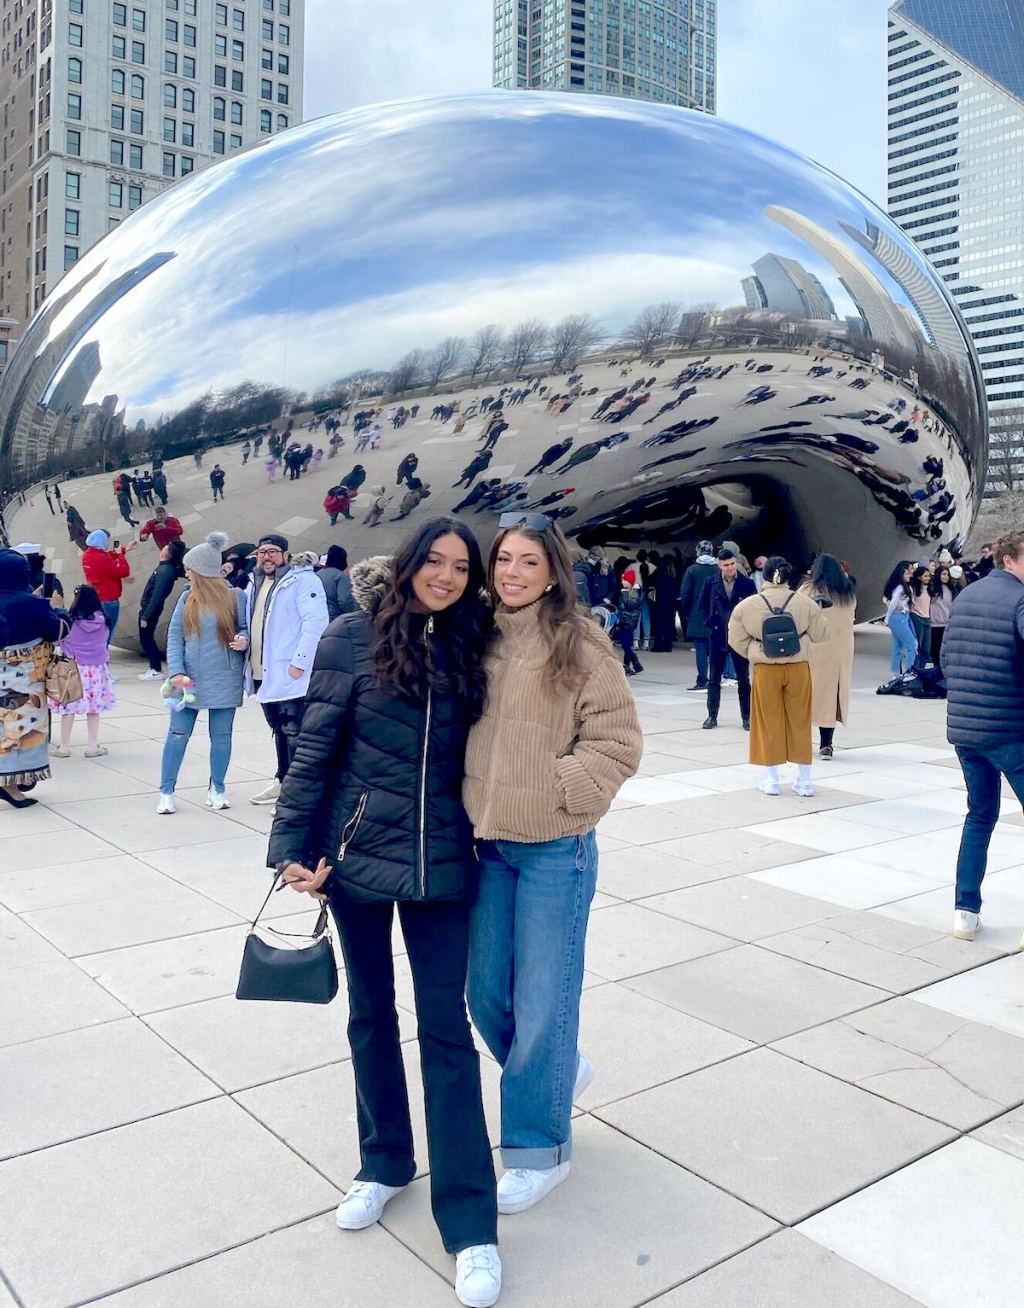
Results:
x,y
370,580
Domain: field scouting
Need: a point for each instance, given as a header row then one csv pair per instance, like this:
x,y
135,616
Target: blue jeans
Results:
x,y
111,611
904,643
179,733
644,629
526,940
700,648
983,769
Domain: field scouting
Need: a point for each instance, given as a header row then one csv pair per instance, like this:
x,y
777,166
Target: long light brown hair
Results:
x,y
210,595
565,626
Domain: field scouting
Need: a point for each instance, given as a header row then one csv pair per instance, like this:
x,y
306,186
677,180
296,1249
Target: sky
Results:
x,y
809,73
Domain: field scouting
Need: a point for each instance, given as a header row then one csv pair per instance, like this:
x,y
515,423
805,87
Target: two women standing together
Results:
x,y
426,730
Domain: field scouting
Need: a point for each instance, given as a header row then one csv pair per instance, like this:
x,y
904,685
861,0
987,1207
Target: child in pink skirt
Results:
x,y
86,643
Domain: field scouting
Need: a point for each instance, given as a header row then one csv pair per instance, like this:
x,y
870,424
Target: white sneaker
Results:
x,y
584,1076
768,787
965,925
478,1275
522,1187
150,675
268,795
166,804
805,789
363,1204
216,799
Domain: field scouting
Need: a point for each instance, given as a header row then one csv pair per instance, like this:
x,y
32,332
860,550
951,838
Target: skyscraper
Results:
x,y
956,166
788,287
106,104
664,50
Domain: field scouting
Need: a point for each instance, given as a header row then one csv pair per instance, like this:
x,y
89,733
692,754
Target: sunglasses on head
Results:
x,y
535,521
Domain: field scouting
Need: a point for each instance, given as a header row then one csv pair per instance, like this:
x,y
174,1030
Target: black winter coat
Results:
x,y
716,607
158,588
375,785
983,662
689,598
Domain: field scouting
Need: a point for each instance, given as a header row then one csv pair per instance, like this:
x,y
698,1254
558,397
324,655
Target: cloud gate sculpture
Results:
x,y
654,325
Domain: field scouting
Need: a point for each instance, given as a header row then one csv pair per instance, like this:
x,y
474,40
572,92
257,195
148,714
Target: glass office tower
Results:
x,y
956,175
649,49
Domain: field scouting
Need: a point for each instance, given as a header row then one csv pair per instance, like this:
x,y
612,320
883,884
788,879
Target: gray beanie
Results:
x,y
206,559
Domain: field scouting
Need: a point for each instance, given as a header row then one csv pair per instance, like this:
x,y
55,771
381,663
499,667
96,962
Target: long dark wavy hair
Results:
x,y
829,578
895,579
401,658
916,584
564,625
936,584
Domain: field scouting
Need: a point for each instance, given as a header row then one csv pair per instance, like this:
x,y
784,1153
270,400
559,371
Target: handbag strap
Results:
x,y
318,930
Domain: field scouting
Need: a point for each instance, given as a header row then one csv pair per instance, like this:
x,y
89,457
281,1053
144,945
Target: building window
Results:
x,y
71,218
218,142
190,36
135,157
137,123
138,52
74,70
120,15
138,86
75,34
282,93
266,89
74,140
117,153
117,81
237,80
134,196
285,7
266,120
115,195
74,105
70,256
284,34
283,63
188,134
220,75
73,186
188,100
172,5
119,47
220,13
171,29
219,108
238,51
187,164
268,5
168,164
282,122
170,61
170,130
190,8
220,46
236,113
76,6
188,66
236,142
267,59
170,95
238,20
117,117
139,20
267,29
112,223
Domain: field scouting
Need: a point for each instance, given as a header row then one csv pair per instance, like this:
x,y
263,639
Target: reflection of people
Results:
x,y
217,482
832,660
417,492
406,468
384,722
77,531
473,469
551,455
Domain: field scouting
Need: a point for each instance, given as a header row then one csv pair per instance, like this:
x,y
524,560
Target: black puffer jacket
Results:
x,y
375,784
983,660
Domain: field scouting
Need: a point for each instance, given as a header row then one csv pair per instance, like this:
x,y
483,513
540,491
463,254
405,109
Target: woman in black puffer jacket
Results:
x,y
372,802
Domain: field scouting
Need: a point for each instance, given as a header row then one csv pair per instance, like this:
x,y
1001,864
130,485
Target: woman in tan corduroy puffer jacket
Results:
x,y
558,737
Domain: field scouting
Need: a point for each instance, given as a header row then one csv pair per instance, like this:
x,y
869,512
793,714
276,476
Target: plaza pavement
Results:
x,y
807,1094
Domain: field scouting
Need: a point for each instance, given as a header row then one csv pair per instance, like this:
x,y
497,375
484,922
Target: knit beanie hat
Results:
x,y
629,577
206,559
98,539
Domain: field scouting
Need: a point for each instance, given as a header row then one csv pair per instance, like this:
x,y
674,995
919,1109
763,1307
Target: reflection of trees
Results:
x,y
694,323
652,325
524,344
444,359
485,349
406,372
222,413
1006,451
571,339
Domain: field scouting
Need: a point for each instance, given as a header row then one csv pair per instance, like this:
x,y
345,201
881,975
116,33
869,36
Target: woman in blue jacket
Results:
x,y
206,644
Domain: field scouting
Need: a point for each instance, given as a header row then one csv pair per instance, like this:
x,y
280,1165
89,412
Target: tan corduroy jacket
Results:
x,y
542,762
748,617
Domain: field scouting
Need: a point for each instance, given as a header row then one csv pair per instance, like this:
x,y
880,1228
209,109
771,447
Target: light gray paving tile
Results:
x,y
644,870
230,872
785,1153
992,995
754,993
39,820
315,1112
185,1185
54,886
1006,1133
1001,919
785,1271
825,945
687,1225
132,824
635,1042
741,907
729,848
23,851
824,831
47,998
313,1264
846,880
90,1080
21,946
627,939
966,1188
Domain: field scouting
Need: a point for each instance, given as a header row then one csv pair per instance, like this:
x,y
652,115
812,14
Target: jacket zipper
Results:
x,y
423,782
348,836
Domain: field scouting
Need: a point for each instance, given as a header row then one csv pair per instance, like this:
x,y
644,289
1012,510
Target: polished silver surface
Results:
x,y
787,371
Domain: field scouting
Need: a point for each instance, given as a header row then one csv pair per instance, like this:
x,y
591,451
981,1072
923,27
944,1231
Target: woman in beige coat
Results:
x,y
780,707
832,660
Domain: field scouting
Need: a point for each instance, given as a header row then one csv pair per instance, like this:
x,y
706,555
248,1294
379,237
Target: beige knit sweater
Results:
x,y
544,762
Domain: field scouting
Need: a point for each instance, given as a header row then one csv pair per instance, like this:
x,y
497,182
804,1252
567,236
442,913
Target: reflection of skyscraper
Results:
x,y
956,169
81,372
663,52
789,288
884,320
753,293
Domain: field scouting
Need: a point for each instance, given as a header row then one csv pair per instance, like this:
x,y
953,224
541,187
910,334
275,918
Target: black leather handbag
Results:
x,y
297,974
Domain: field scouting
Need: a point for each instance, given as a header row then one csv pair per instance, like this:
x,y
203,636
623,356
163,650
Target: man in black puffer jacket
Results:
x,y
983,659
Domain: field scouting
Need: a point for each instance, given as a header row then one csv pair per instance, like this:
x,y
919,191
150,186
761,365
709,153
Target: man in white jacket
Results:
x,y
287,616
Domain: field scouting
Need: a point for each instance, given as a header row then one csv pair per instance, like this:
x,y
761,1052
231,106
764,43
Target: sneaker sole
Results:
x,y
969,935
260,803
521,1205
488,1302
357,1226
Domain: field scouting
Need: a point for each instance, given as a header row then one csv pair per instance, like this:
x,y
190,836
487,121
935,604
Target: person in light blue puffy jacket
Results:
x,y
206,643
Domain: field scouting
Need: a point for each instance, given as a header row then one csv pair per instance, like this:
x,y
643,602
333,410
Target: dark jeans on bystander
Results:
x,y
284,717
147,640
983,770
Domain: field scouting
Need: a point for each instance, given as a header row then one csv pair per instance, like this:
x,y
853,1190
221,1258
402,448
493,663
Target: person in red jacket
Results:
x,y
163,527
337,500
104,570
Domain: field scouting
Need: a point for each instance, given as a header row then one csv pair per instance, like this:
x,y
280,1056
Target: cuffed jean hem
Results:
x,y
537,1159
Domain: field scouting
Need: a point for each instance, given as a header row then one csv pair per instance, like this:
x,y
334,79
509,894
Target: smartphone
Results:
x,y
117,544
